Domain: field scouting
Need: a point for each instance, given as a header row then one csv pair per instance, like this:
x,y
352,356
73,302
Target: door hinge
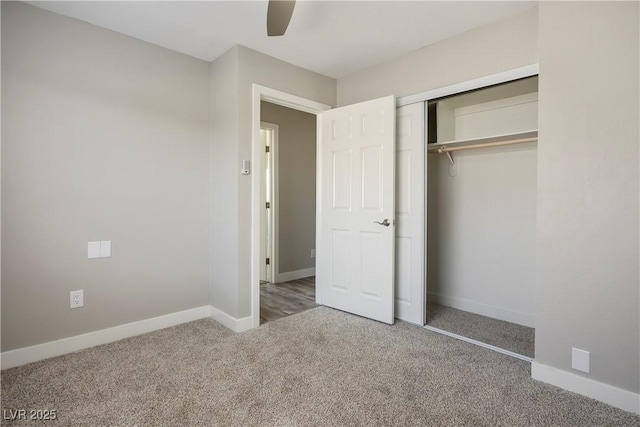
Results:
x,y
268,205
267,147
268,261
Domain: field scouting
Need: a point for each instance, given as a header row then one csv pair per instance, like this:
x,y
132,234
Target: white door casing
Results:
x,y
264,222
410,214
269,223
356,188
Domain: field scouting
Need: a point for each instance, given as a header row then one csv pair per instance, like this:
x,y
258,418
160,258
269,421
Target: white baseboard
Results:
x,y
295,275
22,356
236,325
484,309
606,393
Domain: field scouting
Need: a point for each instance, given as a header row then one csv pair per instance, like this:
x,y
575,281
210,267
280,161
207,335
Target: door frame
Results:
x,y
263,93
274,222
479,83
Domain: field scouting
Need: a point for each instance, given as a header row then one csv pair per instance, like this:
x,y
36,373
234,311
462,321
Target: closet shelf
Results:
x,y
490,141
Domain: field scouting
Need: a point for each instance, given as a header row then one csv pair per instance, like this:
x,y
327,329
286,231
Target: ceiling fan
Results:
x,y
278,16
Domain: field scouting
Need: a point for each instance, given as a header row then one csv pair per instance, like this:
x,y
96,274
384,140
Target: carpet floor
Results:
x,y
320,367
509,336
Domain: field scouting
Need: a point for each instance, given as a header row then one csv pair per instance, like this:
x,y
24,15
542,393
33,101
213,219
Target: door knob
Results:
x,y
386,222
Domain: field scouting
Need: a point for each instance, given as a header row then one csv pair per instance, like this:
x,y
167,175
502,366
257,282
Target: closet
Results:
x,y
481,213
464,219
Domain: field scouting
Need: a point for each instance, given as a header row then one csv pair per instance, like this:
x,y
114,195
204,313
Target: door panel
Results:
x,y
372,179
340,179
340,259
356,188
410,231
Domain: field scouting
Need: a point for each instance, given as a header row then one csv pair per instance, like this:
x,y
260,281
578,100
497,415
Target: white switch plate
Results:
x,y
580,360
105,248
76,299
93,250
313,253
99,249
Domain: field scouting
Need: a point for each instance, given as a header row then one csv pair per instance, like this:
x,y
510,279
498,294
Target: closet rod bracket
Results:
x,y
442,150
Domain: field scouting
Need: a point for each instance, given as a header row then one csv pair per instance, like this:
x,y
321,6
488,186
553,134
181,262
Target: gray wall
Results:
x,y
504,45
588,256
104,137
232,191
296,185
223,184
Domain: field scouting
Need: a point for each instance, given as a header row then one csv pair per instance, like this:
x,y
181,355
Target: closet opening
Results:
x,y
481,214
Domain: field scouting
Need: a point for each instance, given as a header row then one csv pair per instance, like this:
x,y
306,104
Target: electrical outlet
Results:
x,y
580,360
313,253
76,299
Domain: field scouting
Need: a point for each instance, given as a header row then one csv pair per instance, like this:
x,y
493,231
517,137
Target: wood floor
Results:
x,y
278,300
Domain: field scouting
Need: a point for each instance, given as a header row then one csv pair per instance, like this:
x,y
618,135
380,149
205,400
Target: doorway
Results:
x,y
288,220
288,263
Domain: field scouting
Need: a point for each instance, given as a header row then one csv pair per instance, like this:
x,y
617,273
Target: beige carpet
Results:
x,y
509,336
321,367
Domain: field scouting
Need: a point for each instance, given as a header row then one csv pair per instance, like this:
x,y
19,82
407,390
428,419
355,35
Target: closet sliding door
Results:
x,y
410,304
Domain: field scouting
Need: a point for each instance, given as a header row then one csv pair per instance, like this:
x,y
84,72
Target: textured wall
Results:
x,y
104,137
504,45
223,184
588,256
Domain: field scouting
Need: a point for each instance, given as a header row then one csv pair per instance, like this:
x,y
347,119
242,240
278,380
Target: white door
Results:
x,y
410,218
356,209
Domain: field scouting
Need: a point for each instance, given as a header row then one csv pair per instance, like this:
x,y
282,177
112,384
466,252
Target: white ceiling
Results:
x,y
334,38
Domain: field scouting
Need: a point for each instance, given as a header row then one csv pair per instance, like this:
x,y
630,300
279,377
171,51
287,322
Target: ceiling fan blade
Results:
x,y
278,16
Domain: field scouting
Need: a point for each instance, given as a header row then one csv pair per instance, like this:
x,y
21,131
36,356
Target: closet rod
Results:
x,y
442,149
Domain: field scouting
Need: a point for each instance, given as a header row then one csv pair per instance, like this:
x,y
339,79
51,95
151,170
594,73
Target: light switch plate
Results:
x,y
93,250
105,248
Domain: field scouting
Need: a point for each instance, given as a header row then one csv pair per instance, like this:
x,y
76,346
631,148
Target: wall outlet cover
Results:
x,y
580,360
76,299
